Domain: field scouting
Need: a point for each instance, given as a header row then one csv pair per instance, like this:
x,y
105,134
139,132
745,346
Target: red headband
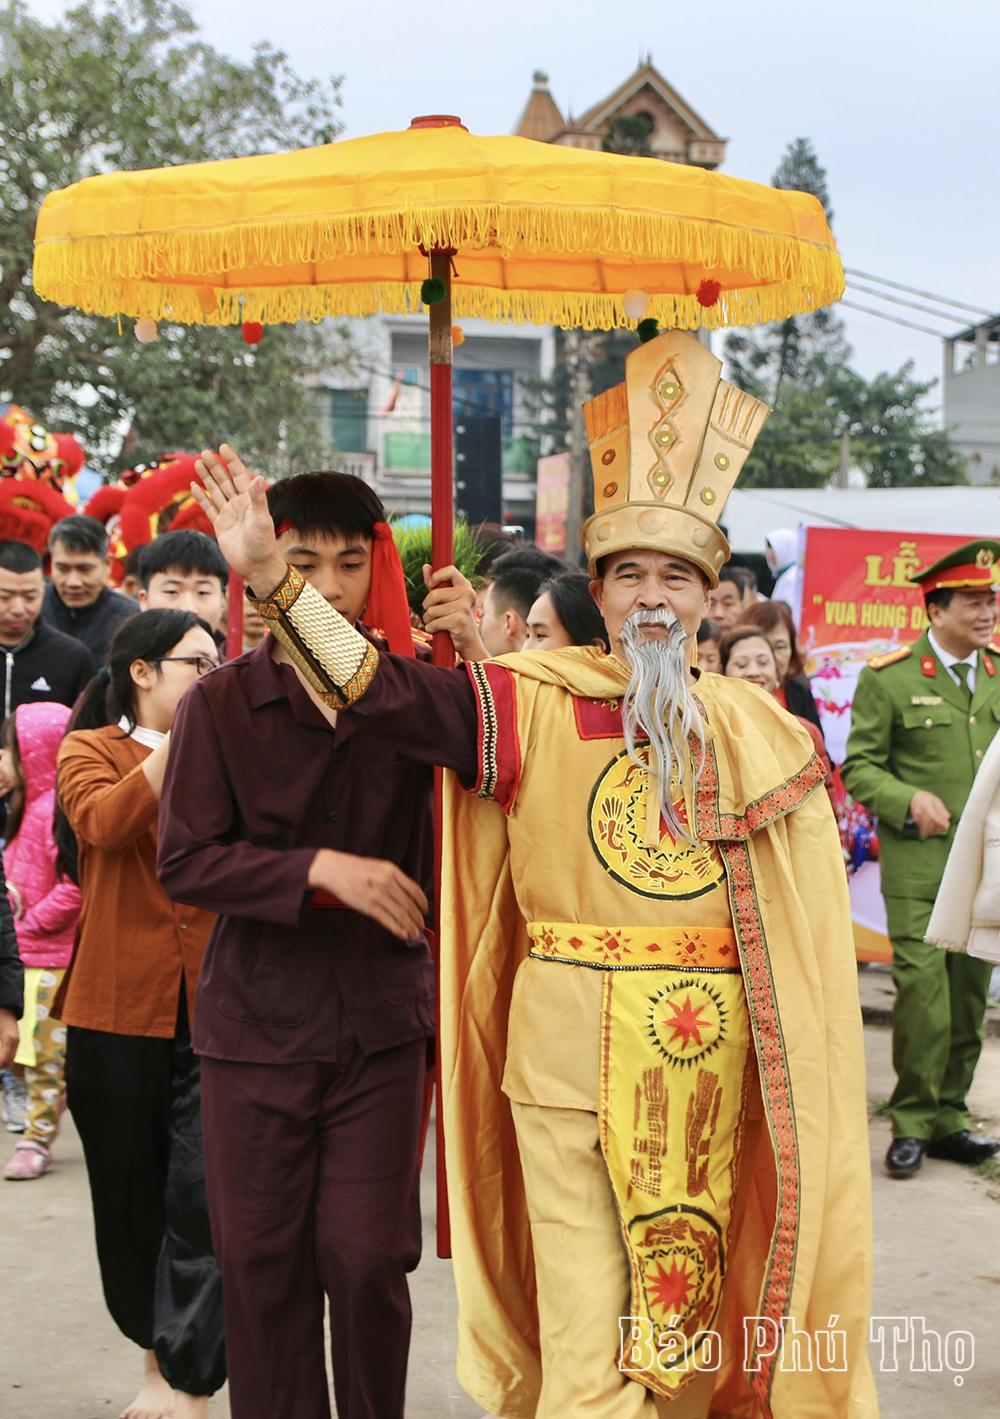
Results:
x,y
388,609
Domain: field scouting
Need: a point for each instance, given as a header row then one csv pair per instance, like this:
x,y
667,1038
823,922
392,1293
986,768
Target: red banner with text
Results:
x,y
858,602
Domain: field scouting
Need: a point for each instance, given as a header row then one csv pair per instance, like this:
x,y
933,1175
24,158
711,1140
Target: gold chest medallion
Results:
x,y
617,820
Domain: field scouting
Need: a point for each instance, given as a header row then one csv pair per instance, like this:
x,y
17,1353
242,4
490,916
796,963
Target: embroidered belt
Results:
x,y
635,948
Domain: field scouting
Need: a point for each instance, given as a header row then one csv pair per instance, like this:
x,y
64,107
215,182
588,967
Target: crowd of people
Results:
x,y
110,963
217,928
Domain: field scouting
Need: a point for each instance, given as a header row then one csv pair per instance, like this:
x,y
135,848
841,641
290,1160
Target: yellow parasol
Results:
x,y
509,229
503,227
539,233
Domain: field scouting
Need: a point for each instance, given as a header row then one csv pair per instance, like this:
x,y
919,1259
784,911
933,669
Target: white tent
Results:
x,y
750,514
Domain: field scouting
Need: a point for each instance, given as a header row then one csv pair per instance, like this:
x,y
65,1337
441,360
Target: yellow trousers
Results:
x,y
42,1053
582,1275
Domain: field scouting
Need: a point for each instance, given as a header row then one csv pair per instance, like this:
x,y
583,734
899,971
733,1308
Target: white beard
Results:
x,y
658,705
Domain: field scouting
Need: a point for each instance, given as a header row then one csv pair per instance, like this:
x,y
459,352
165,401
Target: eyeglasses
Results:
x,y
202,663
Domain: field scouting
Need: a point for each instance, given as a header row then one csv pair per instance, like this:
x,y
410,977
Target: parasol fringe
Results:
x,y
132,274
288,304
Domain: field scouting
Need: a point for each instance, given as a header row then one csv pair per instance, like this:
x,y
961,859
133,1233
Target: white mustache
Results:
x,y
658,616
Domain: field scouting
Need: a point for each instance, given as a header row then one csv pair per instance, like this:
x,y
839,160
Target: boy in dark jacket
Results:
x,y
312,841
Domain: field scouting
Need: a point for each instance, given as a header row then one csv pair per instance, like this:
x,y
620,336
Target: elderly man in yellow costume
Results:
x,y
650,1043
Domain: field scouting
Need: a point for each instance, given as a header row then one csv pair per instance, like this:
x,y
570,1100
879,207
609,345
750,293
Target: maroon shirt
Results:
x,y
258,781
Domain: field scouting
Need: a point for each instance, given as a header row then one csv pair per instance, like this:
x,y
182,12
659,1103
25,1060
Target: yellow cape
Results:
x,y
806,1247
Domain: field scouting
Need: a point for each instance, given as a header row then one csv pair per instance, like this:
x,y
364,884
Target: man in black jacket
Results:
x,y
36,662
78,600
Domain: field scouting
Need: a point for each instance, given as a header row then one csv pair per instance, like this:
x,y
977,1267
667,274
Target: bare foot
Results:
x,y
190,1406
155,1399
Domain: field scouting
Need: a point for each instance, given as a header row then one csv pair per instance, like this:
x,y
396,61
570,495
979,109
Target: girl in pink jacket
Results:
x,y
46,908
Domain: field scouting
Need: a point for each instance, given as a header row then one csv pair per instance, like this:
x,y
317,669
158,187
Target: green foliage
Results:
x,y
414,545
130,84
800,367
798,349
800,170
795,351
627,134
892,439
196,387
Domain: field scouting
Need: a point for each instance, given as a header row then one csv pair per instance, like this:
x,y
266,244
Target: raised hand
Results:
x,y
235,503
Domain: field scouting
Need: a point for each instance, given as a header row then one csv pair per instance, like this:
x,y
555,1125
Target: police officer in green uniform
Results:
x,y
922,719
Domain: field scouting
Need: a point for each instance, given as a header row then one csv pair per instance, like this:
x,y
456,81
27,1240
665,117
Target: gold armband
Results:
x,y
335,659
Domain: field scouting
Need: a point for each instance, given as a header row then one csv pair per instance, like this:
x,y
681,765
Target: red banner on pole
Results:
x,y
552,503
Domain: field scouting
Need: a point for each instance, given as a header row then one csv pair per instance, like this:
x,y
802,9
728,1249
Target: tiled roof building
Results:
x,y
676,132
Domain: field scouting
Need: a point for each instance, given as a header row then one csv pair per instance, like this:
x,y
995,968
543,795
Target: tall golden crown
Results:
x,y
666,448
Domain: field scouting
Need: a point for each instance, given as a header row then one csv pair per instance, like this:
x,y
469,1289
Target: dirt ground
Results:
x,y
937,1255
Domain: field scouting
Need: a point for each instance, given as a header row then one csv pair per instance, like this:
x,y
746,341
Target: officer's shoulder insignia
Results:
x,y
420,637
881,661
994,646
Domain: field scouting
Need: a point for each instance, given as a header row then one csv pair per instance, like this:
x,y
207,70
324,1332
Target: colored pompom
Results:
x,y
708,293
253,332
145,330
457,335
634,304
647,329
433,291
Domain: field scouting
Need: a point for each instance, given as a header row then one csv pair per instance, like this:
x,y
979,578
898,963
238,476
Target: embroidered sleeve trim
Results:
x,y
281,599
776,1090
499,746
337,662
776,803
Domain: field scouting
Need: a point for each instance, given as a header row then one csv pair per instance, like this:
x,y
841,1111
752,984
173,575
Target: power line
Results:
x,y
916,291
911,305
895,319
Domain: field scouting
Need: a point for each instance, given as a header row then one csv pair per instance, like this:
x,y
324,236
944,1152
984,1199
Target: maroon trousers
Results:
x,y
313,1178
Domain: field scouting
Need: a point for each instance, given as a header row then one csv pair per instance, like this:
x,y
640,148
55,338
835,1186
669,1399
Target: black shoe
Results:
x,y
905,1156
964,1147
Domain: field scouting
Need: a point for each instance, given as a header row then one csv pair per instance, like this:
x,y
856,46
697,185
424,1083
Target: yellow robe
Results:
x,y
529,849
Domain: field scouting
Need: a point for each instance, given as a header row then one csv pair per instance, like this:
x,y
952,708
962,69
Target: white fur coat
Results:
x,y
966,915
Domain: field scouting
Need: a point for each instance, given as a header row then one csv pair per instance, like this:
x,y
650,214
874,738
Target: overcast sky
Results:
x,y
899,99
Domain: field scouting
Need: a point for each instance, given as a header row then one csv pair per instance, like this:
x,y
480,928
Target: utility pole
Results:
x,y
576,361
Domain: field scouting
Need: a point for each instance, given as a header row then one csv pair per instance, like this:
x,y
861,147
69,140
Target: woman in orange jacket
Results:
x,y
132,1078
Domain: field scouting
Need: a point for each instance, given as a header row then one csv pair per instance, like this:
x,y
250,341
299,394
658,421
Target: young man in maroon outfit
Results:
x,y
309,837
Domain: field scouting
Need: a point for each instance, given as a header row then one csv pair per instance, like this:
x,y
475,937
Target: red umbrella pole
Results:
x,y
442,463
442,555
234,617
